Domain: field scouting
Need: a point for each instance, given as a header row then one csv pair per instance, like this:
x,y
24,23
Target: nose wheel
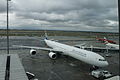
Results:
x,y
94,68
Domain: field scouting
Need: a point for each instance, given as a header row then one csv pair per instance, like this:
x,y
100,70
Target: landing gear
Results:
x,y
94,68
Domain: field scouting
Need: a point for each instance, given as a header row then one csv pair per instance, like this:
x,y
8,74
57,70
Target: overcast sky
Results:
x,y
82,15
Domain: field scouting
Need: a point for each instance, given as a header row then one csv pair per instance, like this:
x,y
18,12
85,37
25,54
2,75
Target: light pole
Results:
x,y
8,27
7,73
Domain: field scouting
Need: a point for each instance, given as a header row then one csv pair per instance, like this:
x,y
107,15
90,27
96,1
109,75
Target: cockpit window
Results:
x,y
102,60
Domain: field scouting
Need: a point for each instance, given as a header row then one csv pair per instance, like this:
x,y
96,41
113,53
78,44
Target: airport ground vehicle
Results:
x,y
117,77
101,73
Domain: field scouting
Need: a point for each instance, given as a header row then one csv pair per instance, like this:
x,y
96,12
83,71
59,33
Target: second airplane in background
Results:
x,y
104,40
112,46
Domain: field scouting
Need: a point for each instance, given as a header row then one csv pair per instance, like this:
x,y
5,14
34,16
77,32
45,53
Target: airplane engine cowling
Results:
x,y
32,52
52,55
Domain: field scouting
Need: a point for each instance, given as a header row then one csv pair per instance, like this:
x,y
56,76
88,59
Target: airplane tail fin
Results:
x,y
105,38
46,36
96,38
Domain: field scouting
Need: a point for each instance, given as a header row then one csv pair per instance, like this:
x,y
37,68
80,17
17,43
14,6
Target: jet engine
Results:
x,y
52,55
32,52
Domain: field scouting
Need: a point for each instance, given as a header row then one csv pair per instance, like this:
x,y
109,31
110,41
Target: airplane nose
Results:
x,y
106,63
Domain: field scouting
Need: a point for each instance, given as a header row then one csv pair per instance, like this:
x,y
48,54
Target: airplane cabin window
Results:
x,y
102,60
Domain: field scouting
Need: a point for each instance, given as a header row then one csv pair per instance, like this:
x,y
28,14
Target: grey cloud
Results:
x,y
68,13
86,8
2,6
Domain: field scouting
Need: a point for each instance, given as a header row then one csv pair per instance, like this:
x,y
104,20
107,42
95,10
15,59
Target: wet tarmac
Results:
x,y
63,68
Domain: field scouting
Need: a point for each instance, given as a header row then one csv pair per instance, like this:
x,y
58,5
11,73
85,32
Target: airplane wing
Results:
x,y
101,48
83,45
40,48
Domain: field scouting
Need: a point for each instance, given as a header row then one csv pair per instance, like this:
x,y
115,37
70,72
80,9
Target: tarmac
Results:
x,y
63,68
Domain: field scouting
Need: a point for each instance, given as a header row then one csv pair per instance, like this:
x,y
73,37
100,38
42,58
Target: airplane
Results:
x,y
103,40
112,46
109,46
56,48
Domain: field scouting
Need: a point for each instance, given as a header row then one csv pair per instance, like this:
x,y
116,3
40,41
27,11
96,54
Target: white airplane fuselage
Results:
x,y
113,45
80,54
